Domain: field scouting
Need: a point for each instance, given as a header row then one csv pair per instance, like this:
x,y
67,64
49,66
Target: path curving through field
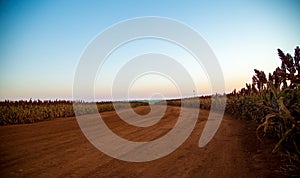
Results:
x,y
58,148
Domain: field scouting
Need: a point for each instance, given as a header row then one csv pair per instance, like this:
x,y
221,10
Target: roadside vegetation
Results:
x,y
273,101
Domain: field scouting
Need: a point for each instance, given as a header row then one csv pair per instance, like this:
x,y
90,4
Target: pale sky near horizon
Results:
x,y
41,42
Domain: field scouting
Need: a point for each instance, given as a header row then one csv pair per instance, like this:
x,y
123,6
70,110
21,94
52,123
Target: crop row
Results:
x,y
274,103
22,112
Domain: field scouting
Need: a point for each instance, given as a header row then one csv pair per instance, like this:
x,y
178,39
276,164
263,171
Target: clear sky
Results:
x,y
41,41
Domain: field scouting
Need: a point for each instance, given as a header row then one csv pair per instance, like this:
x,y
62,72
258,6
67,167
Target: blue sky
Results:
x,y
41,41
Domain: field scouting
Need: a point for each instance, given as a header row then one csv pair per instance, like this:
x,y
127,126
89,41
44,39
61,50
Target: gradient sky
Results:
x,y
41,41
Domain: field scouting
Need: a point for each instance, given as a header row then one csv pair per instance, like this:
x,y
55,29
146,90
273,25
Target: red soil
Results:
x,y
59,148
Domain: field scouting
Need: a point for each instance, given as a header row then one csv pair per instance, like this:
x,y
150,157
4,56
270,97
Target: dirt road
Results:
x,y
58,148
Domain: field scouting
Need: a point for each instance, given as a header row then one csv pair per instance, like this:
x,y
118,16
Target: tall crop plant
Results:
x,y
274,102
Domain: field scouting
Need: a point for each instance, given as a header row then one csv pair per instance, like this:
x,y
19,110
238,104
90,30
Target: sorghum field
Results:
x,y
259,135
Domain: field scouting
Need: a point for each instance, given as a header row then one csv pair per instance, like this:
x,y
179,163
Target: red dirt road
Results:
x,y
58,148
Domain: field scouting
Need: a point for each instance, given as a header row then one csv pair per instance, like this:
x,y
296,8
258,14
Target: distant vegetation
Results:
x,y
23,112
204,101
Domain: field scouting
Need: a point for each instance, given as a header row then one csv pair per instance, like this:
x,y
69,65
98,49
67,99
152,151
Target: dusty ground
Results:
x,y
58,148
